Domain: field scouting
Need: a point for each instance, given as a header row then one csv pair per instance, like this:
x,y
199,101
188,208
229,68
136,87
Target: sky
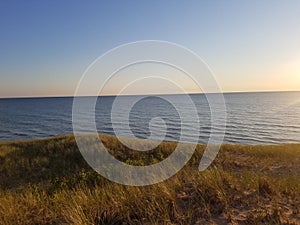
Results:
x,y
45,46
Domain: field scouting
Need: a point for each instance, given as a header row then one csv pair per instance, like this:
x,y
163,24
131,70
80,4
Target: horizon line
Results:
x,y
152,94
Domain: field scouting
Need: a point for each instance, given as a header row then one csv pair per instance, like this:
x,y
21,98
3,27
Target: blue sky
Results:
x,y
45,46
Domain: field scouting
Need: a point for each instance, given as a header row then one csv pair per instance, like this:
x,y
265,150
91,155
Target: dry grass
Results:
x,y
48,182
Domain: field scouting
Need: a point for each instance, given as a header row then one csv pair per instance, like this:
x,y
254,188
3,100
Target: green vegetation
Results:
x,y
48,182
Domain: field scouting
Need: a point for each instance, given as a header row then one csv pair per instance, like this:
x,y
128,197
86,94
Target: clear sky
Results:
x,y
45,46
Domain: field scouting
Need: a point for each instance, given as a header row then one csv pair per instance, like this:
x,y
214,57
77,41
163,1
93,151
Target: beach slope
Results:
x,y
48,182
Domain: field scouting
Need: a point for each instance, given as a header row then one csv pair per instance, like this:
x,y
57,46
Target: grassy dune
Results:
x,y
48,182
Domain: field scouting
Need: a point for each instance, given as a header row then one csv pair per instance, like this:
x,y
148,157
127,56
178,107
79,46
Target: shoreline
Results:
x,y
113,136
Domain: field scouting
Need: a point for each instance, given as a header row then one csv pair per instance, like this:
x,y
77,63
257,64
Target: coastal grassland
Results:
x,y
48,182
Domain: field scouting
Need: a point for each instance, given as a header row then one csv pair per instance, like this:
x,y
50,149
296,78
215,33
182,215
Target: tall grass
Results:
x,y
48,182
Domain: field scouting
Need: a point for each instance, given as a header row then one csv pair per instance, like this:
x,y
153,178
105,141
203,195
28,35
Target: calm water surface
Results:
x,y
252,118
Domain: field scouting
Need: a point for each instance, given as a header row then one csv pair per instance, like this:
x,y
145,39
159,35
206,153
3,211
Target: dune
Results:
x,y
47,181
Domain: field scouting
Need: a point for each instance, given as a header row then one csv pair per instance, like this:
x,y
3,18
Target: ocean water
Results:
x,y
252,118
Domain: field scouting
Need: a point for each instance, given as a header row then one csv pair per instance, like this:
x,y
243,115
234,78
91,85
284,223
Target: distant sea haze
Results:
x,y
252,118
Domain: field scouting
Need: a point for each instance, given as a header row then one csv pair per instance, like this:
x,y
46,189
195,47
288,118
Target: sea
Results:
x,y
251,118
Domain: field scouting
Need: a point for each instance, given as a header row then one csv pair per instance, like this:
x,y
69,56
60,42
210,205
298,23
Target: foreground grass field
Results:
x,y
48,182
